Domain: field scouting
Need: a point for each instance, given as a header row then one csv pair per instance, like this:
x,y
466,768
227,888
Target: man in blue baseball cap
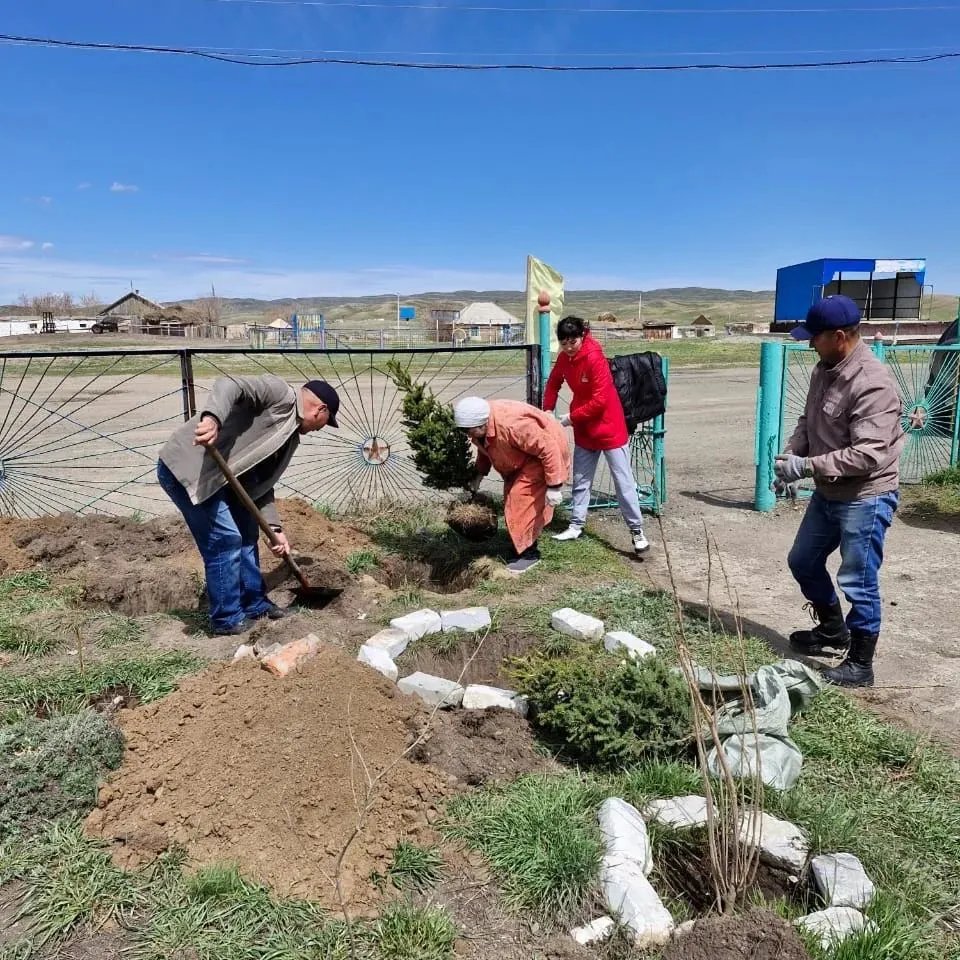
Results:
x,y
848,439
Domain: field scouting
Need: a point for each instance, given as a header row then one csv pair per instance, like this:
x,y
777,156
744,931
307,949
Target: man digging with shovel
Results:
x,y
256,424
849,440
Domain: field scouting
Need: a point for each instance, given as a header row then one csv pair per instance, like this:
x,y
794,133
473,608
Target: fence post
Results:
x,y
534,386
187,389
769,392
543,305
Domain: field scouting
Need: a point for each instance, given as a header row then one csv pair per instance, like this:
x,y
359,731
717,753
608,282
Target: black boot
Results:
x,y
857,669
829,636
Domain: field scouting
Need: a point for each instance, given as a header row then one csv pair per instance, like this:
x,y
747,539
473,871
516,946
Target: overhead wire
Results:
x,y
403,64
631,11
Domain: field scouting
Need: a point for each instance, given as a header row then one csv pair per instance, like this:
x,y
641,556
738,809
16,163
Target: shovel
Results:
x,y
306,594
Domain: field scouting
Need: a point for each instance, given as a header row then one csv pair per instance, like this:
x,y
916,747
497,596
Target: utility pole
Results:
x,y
398,313
640,310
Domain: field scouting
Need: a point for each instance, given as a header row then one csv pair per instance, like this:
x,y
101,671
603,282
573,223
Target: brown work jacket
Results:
x,y
851,428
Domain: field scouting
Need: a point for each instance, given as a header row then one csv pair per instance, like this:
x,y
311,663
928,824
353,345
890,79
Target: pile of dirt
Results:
x,y
143,568
757,934
477,746
473,521
239,766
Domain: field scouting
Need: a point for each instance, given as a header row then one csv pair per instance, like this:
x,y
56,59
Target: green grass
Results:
x,y
70,882
216,914
67,690
541,839
28,602
362,561
406,932
115,630
938,497
412,867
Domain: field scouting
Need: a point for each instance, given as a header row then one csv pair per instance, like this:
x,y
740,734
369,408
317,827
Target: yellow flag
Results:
x,y
540,276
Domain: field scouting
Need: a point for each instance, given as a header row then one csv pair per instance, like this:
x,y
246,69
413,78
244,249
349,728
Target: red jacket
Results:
x,y
595,410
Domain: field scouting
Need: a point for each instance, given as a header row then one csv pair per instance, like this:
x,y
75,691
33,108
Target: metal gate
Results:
x,y
928,378
80,432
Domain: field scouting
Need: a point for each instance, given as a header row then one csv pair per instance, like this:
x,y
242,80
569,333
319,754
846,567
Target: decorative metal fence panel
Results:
x,y
928,378
81,432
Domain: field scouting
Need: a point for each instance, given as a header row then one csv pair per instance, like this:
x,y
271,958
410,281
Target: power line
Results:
x,y
633,11
253,61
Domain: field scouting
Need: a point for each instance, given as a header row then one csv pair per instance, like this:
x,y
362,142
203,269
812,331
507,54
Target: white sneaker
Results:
x,y
640,544
571,533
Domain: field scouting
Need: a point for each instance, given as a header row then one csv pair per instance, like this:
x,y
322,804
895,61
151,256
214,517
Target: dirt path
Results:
x,y
710,463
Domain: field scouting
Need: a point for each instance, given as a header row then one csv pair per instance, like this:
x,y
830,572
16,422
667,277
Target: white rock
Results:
x,y
471,619
620,640
781,844
477,696
625,834
420,623
835,925
245,652
679,812
392,642
380,660
596,930
684,928
576,625
630,897
841,879
434,691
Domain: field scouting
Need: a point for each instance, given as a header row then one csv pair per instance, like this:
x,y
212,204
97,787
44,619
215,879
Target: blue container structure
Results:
x,y
883,289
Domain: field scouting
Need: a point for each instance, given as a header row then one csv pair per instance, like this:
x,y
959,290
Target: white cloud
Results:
x,y
47,246
45,201
8,243
84,185
116,187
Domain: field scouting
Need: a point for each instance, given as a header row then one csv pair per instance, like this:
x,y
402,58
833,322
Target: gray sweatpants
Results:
x,y
585,467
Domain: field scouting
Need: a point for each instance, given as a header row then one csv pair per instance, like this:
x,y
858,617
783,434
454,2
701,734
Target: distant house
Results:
x,y
18,326
131,306
701,327
660,331
481,323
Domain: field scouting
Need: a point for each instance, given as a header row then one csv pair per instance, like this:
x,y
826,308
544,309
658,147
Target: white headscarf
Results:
x,y
471,412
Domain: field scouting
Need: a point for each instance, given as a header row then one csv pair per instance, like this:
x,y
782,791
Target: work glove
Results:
x,y
791,469
564,420
475,482
554,496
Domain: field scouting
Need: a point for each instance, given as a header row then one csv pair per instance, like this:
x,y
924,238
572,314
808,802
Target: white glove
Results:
x,y
564,420
554,496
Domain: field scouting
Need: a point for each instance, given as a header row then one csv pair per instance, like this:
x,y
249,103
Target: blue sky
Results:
x,y
173,174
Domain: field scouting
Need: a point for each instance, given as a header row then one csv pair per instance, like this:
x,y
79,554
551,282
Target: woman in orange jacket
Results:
x,y
530,451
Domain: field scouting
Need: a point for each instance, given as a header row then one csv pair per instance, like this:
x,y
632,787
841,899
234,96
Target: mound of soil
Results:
x,y
756,934
143,568
477,746
239,766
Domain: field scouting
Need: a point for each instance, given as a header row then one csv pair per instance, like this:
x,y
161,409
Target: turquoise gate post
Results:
x,y
769,397
543,305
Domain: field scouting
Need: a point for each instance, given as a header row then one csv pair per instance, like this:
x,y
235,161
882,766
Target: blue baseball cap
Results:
x,y
830,313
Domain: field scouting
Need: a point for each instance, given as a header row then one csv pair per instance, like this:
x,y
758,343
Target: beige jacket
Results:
x,y
259,421
851,429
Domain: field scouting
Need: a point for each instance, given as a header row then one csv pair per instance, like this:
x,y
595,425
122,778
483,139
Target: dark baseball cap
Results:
x,y
830,313
323,391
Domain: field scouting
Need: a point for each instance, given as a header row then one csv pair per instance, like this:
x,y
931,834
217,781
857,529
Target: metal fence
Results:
x,y
80,432
927,376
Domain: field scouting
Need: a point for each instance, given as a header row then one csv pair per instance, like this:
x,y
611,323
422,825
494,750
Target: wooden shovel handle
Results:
x,y
247,501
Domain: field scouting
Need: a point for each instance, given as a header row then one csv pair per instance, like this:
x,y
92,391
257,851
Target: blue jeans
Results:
x,y
226,536
858,528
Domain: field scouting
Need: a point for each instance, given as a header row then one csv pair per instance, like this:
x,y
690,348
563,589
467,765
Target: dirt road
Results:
x,y
710,476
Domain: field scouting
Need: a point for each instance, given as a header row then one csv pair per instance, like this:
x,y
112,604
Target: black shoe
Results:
x,y
273,612
244,626
857,669
830,635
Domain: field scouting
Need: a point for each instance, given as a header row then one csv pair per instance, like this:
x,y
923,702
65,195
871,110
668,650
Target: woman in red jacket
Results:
x,y
599,427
